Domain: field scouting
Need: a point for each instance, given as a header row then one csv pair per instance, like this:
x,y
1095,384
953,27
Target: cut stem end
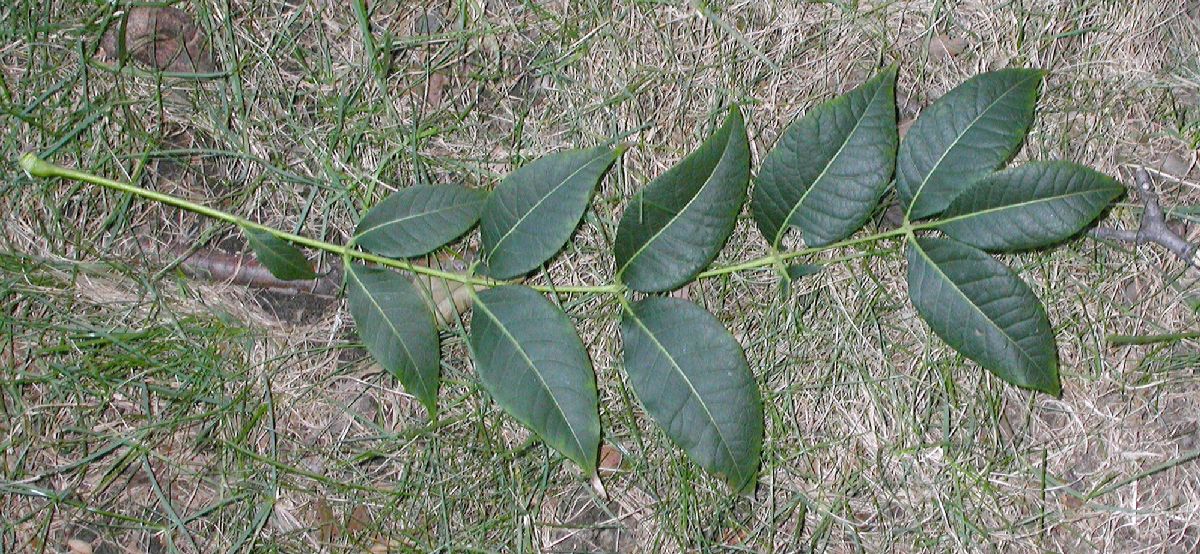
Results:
x,y
35,166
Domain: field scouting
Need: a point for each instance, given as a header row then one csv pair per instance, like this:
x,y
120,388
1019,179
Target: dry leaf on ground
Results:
x,y
448,299
610,458
326,528
163,38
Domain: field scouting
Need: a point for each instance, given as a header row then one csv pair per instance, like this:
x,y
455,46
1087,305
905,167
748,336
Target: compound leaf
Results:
x,y
531,214
396,326
1034,205
415,221
691,376
984,311
677,225
830,167
283,260
533,363
964,135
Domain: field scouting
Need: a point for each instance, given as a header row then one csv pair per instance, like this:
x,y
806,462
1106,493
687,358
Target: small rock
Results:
x,y
943,47
893,216
1131,291
428,24
1176,165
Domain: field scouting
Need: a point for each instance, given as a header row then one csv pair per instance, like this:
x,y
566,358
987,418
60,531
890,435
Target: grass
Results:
x,y
144,411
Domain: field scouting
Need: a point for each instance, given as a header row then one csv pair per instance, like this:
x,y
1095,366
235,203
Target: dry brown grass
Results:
x,y
879,437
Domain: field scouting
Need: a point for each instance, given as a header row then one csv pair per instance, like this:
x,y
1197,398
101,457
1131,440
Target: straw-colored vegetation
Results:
x,y
143,410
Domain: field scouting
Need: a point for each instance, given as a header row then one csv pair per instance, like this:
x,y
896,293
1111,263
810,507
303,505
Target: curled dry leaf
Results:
x,y
449,300
610,459
435,89
164,38
326,528
360,520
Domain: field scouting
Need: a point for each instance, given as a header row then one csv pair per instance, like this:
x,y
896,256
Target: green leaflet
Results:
x,y
962,136
984,311
798,271
532,213
795,272
532,362
691,375
415,221
283,260
830,167
677,225
1035,205
396,326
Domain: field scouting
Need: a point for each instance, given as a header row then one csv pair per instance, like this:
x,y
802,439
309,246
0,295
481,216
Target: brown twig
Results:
x,y
1154,226
446,299
244,270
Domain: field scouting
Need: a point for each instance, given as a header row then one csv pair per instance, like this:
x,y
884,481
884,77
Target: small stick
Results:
x,y
1154,226
245,271
1128,340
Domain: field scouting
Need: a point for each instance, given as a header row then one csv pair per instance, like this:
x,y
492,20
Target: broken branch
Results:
x,y
447,299
1154,227
245,271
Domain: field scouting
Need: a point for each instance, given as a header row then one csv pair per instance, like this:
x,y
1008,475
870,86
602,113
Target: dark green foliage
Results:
x,y
963,136
532,362
692,377
1031,206
397,328
983,310
283,260
828,170
675,227
825,175
531,215
414,221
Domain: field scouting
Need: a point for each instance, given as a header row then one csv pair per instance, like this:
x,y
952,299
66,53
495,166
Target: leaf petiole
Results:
x,y
38,167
